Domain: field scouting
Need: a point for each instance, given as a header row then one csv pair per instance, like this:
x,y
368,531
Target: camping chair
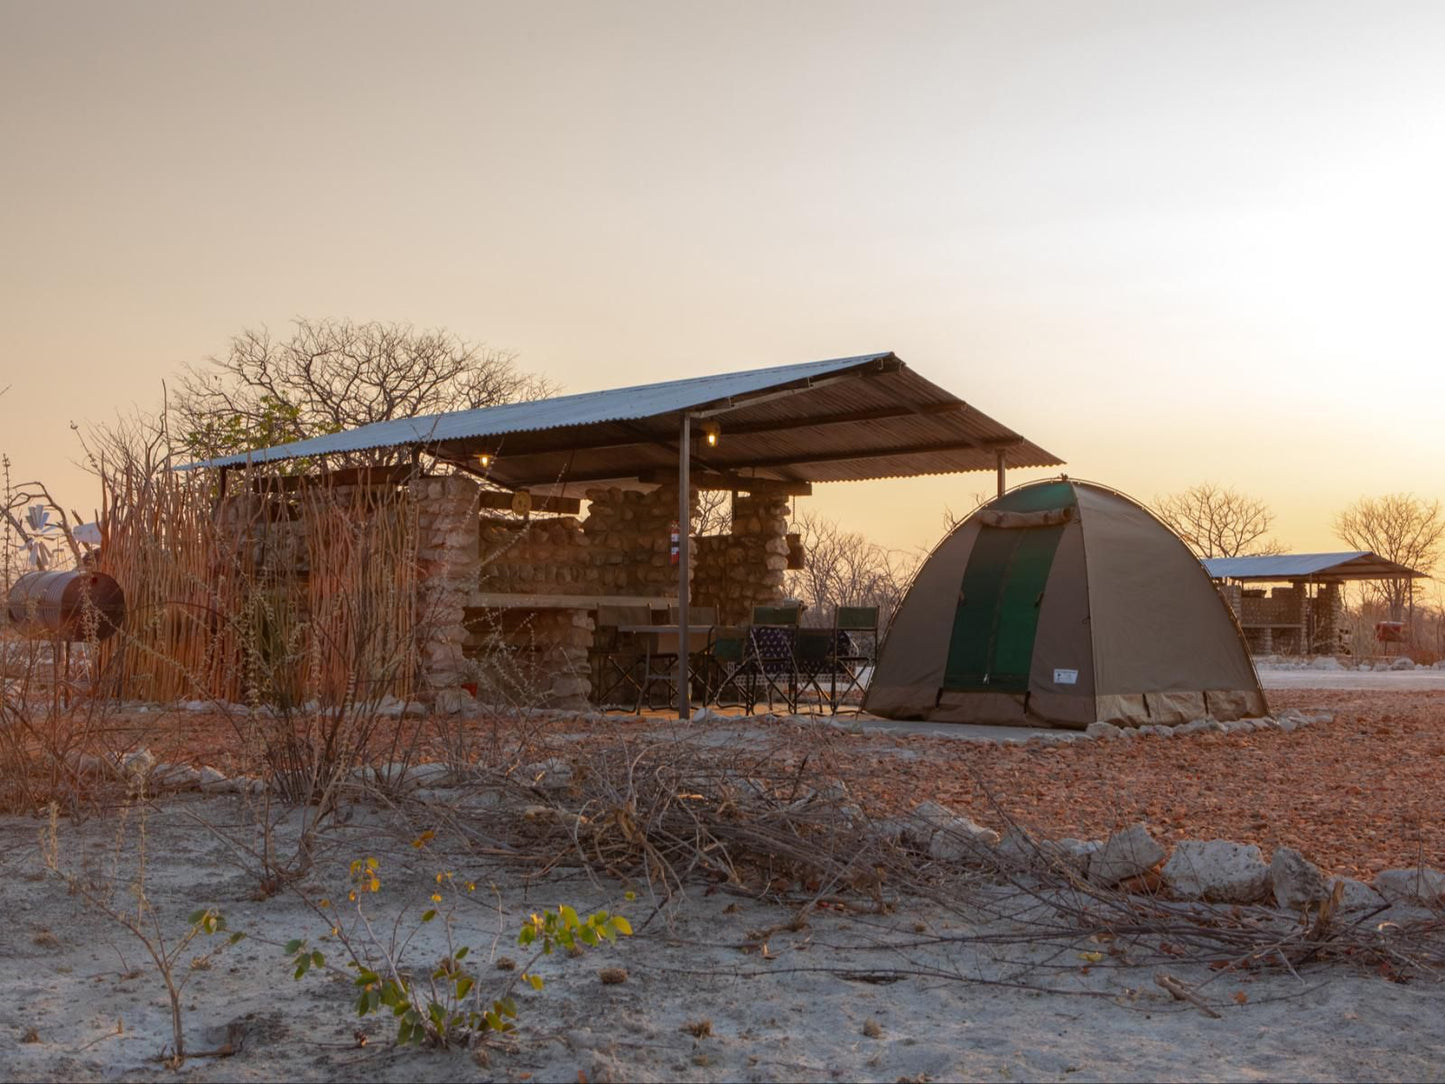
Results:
x,y
773,631
855,643
814,651
730,665
618,658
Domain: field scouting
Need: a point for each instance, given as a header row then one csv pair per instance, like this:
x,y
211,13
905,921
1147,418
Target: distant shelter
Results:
x,y
1293,603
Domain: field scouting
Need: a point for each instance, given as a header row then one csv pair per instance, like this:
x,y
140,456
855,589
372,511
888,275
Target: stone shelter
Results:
x,y
533,516
1293,603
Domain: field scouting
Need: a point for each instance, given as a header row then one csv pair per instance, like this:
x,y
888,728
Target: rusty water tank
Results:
x,y
63,605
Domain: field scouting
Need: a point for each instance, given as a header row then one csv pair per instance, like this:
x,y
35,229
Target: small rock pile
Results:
x,y
1215,870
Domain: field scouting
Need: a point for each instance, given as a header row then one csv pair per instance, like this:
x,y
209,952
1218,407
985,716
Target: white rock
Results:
x,y
949,836
210,779
1100,731
1402,663
1077,852
138,763
1127,853
1419,885
1288,725
431,774
1218,870
1359,896
390,707
175,777
1325,662
1297,881
552,772
195,705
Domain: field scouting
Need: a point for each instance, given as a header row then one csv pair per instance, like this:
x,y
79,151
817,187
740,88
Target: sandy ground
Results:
x,y
923,992
801,1009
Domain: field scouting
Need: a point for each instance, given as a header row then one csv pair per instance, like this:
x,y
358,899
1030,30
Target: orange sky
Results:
x,y
1167,242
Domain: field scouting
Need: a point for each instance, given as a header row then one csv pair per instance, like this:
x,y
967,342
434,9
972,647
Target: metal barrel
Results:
x,y
66,605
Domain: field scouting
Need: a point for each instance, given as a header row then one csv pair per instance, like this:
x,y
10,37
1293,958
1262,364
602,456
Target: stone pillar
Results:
x,y
448,564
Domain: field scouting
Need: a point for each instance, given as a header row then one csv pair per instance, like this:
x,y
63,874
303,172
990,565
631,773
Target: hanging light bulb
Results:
x,y
486,459
711,433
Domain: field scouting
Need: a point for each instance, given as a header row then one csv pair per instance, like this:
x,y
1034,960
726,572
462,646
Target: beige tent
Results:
x,y
1063,602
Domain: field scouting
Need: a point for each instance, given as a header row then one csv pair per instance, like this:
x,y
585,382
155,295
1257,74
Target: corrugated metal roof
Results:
x,y
1350,565
843,419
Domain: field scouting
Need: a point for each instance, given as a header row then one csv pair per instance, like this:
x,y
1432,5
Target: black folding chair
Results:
x,y
855,638
813,666
619,659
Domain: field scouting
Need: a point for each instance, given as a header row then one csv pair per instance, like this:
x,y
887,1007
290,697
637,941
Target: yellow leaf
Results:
x,y
1091,957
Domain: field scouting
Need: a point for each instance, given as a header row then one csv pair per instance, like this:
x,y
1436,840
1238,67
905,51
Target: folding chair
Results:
x,y
772,634
855,640
618,658
730,665
813,662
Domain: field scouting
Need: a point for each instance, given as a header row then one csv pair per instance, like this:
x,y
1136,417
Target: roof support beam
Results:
x,y
844,454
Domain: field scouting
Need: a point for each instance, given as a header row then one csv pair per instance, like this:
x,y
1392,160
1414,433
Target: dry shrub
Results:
x,y
276,593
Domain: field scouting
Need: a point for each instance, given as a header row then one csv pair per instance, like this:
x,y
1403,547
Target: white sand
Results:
x,y
793,1016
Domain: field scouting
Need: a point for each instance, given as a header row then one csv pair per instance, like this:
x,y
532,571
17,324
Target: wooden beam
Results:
x,y
878,414
569,506
727,480
843,455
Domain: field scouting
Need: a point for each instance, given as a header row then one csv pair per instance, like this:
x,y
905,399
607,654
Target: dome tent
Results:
x,y
1063,602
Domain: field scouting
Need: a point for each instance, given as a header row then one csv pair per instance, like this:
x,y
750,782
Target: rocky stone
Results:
x,y
1127,853
1218,870
1288,725
210,778
138,763
1358,896
1325,662
175,777
1103,731
1298,882
1077,852
1402,664
949,836
1420,885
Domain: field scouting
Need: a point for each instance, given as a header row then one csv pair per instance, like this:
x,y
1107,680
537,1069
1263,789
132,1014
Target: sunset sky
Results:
x,y
1168,242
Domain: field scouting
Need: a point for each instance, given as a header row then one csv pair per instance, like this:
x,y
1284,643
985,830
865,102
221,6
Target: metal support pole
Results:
x,y
999,457
684,555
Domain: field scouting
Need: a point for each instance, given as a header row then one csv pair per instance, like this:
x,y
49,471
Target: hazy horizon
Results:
x,y
1169,243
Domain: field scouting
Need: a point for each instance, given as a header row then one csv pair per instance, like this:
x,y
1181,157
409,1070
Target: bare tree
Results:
x,y
843,568
1217,522
331,375
1400,527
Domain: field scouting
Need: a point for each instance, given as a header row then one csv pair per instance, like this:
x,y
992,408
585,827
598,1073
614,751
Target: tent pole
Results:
x,y
684,554
999,460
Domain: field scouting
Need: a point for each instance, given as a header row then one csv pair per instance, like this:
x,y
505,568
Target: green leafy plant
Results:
x,y
445,1005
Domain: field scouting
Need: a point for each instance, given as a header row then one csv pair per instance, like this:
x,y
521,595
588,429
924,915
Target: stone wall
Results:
x,y
448,564
539,556
531,658
737,571
630,533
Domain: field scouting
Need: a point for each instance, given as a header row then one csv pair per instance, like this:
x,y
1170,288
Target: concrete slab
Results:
x,y
1382,680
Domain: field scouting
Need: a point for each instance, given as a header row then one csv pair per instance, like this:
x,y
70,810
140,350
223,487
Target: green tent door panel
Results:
x,y
992,645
